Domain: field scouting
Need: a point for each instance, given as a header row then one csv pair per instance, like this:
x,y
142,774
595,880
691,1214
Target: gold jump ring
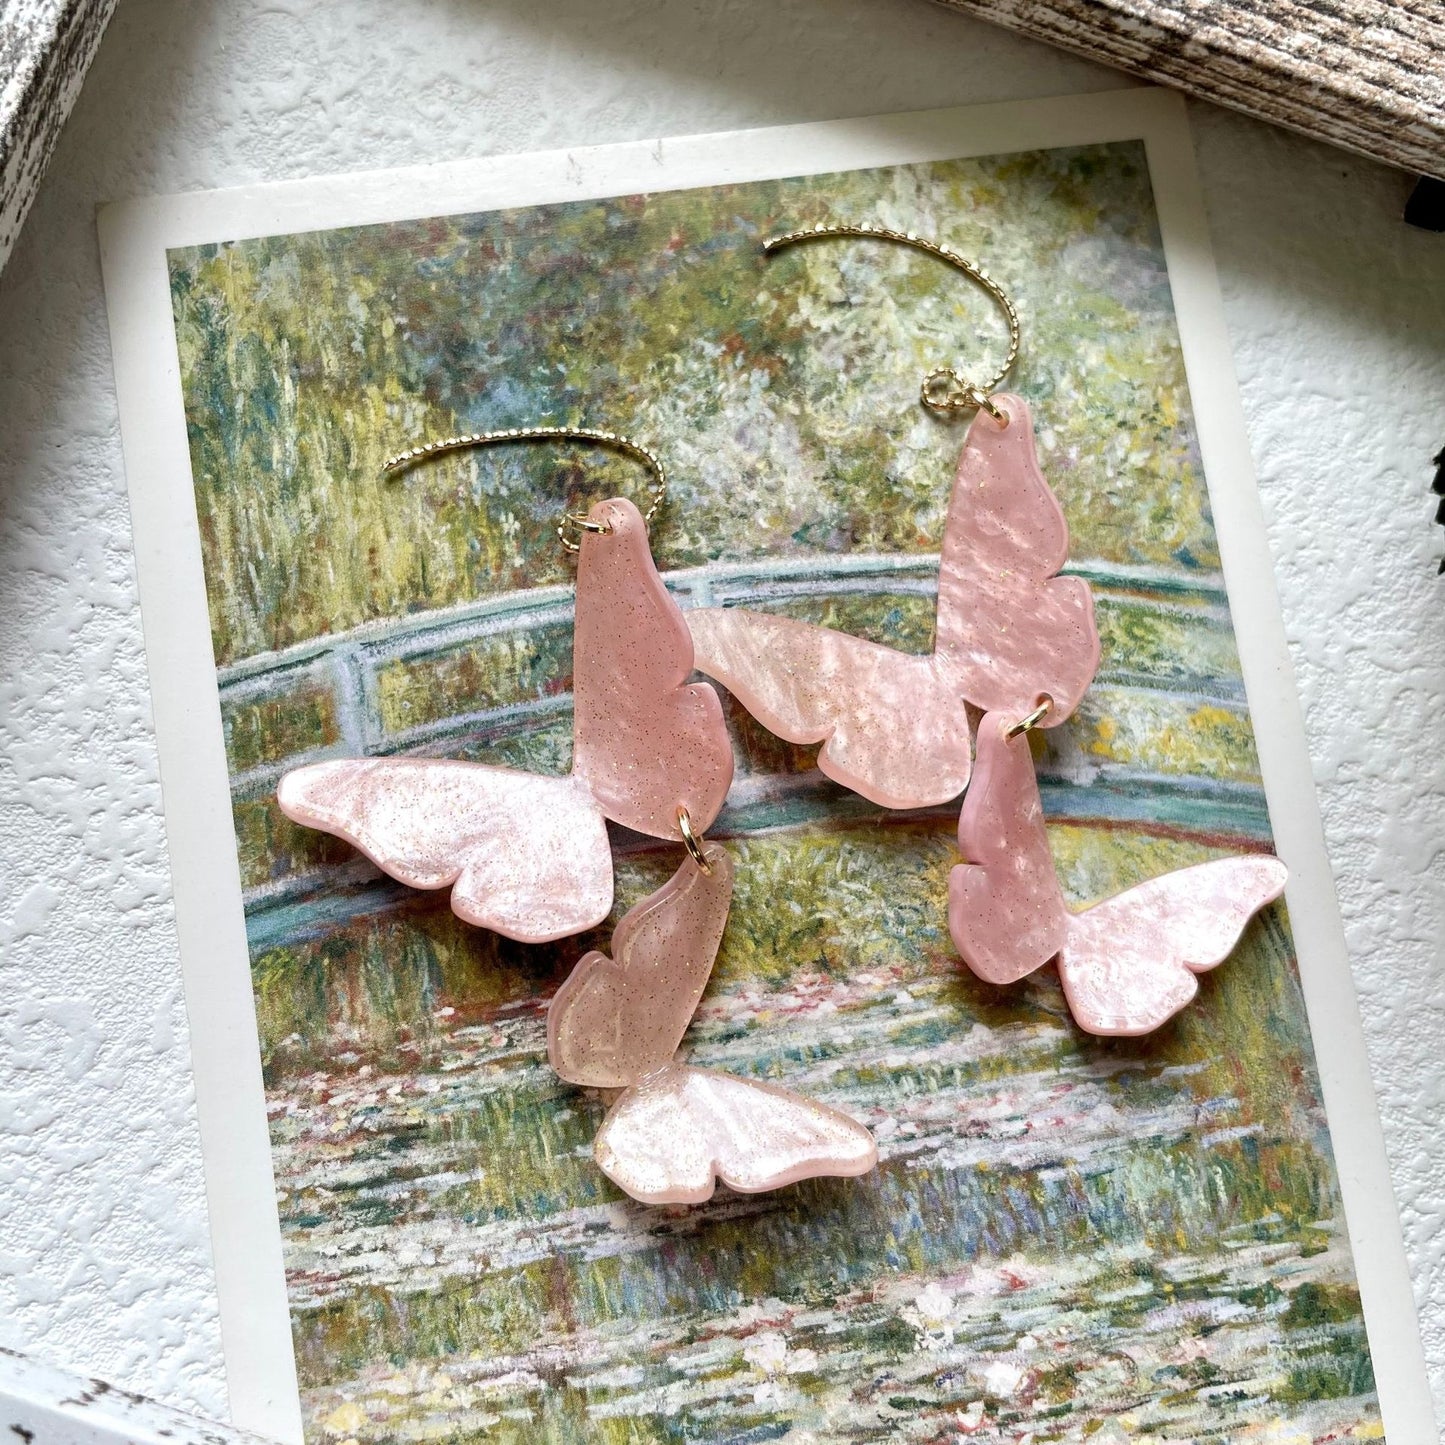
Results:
x,y
690,841
1025,724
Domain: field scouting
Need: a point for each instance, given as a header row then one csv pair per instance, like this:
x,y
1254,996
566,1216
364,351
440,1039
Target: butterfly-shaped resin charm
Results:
x,y
616,1023
1127,964
1008,631
528,855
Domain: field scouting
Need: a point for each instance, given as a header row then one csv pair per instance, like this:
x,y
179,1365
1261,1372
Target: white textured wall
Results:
x,y
1338,315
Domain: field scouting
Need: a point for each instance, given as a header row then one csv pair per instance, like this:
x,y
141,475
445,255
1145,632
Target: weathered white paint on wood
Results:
x,y
46,47
43,1405
1364,74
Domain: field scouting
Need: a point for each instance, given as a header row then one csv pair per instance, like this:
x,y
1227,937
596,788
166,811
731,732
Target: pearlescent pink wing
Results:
x,y
526,856
669,1138
890,729
1006,911
1130,962
645,740
612,1022
1009,629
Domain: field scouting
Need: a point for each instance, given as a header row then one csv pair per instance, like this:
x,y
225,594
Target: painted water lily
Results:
x,y
932,1315
970,1420
773,1358
1001,1378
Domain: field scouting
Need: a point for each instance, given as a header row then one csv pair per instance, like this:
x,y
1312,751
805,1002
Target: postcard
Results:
x,y
1185,1236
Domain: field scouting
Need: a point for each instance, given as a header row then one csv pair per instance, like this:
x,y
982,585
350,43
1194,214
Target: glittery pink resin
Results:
x,y
1006,912
1127,964
526,855
1008,631
645,740
675,1130
616,1019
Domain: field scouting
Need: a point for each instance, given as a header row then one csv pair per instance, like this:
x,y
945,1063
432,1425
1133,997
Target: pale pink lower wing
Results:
x,y
890,729
616,1019
647,741
1010,629
526,856
670,1138
1006,911
1129,963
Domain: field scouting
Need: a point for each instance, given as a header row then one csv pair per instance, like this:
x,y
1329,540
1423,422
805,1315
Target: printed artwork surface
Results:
x,y
1067,1238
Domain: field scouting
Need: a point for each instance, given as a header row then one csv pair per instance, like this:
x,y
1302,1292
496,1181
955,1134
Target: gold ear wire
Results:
x,y
943,390
613,441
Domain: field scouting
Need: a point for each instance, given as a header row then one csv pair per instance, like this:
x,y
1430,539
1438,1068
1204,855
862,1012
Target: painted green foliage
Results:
x,y
781,392
1067,1239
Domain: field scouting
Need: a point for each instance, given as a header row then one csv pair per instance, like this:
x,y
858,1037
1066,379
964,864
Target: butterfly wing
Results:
x,y
889,729
1009,629
1006,911
611,1022
669,1139
1130,962
526,856
646,741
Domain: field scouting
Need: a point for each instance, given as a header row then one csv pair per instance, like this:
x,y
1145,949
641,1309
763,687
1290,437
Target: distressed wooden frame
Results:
x,y
43,1404
1368,75
46,47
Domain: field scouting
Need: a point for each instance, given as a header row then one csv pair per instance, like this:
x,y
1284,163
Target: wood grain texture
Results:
x,y
1363,74
42,1404
46,46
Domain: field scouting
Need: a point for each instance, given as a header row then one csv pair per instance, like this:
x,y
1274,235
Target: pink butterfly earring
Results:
x,y
524,854
1018,642
529,857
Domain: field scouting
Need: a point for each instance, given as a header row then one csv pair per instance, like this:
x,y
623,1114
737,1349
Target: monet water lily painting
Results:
x,y
1067,1238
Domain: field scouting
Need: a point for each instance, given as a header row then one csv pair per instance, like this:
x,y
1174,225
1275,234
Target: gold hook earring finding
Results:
x,y
943,390
613,441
